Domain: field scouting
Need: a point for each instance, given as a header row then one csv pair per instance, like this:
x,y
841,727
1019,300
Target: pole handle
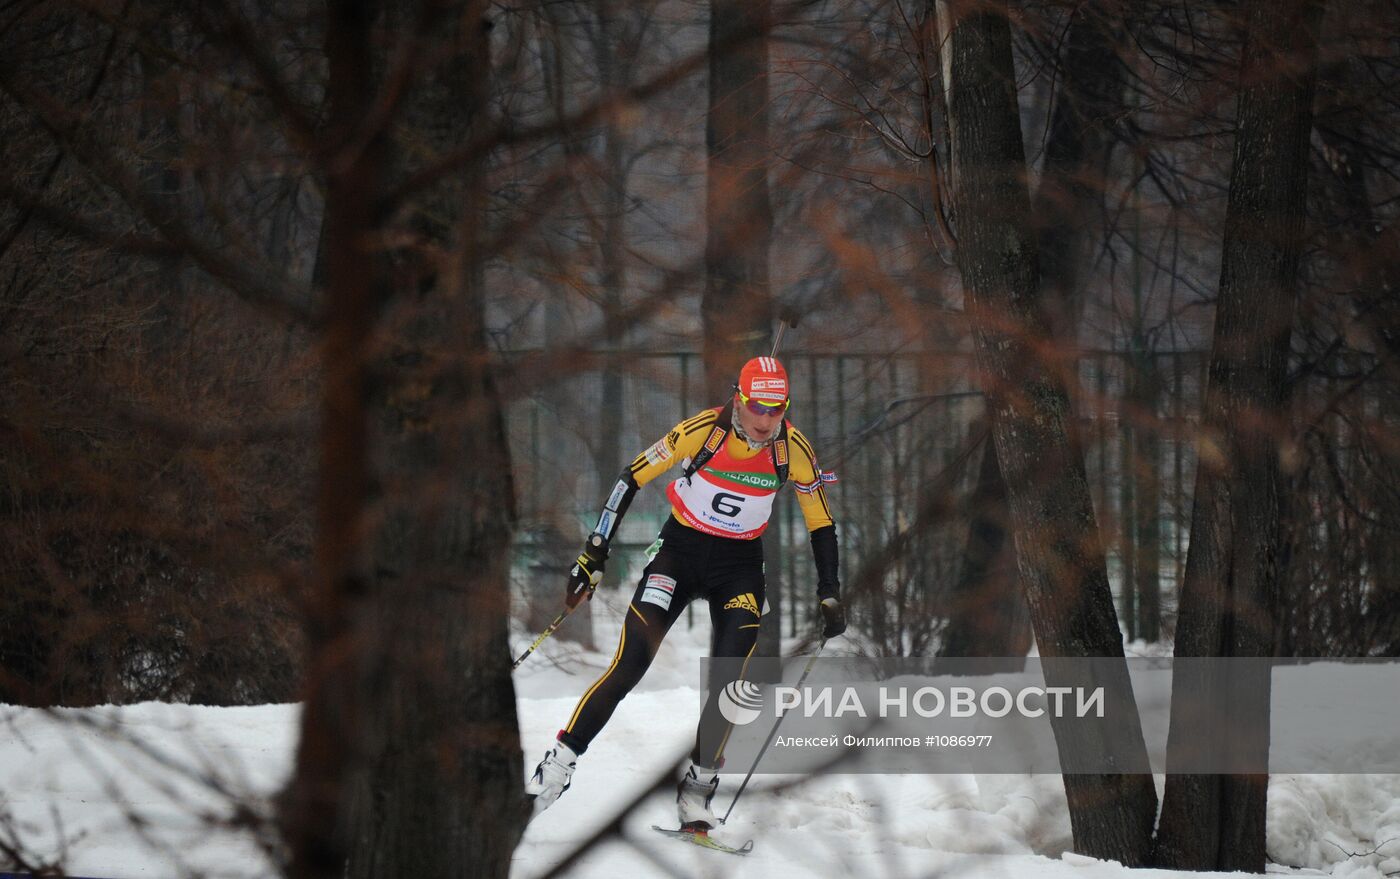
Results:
x,y
787,317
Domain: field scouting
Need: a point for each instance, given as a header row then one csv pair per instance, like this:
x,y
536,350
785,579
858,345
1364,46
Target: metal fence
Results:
x,y
886,428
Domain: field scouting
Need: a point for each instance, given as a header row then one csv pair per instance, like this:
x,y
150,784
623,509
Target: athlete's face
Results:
x,y
758,427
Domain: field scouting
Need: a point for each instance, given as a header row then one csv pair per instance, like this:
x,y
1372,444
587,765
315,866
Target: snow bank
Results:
x,y
165,790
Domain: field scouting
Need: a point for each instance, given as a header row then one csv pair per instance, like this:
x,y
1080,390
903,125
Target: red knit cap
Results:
x,y
764,380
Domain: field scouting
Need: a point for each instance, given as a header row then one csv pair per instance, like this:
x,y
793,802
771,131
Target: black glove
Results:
x,y
834,617
587,572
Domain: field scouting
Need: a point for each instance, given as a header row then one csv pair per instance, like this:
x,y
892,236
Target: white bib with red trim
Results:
x,y
727,497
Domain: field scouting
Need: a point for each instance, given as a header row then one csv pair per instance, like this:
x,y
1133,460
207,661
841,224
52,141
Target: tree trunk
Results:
x,y
987,615
1076,155
1216,822
1127,519
611,247
737,309
558,540
1077,147
440,794
1059,556
1147,519
333,720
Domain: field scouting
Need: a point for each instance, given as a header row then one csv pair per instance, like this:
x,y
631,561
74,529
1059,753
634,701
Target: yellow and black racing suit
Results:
x,y
710,547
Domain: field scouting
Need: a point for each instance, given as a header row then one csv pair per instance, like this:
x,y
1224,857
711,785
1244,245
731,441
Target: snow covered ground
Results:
x,y
146,791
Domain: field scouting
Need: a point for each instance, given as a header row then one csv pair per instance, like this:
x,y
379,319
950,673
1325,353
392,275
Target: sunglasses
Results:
x,y
760,408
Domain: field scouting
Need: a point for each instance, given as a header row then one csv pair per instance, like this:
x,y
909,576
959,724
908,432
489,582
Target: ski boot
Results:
x,y
552,777
693,796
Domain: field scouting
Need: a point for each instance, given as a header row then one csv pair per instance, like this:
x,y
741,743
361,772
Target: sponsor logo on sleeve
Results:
x,y
659,453
618,493
659,590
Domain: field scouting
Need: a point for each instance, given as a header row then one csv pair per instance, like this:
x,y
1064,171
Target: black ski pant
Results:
x,y
689,565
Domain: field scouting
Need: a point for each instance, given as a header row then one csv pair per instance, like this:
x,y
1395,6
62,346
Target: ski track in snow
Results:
x,y
70,778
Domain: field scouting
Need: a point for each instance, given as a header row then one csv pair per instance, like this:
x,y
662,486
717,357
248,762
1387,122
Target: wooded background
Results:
x,y
324,328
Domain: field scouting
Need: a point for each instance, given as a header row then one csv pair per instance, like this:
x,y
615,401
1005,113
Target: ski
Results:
x,y
704,840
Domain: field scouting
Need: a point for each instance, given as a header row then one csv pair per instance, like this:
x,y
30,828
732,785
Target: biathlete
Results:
x,y
735,459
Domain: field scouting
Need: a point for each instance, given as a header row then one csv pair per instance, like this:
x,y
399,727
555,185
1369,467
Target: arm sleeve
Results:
x,y
683,441
806,477
828,562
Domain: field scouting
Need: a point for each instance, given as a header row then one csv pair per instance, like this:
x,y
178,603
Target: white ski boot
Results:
x,y
552,777
693,797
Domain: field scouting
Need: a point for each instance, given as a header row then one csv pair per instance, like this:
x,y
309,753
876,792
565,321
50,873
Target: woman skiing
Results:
x,y
735,458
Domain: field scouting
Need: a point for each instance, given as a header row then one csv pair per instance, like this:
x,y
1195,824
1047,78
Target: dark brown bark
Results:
x,y
409,762
1059,557
334,715
1145,390
1216,822
439,793
737,309
1088,104
1127,527
612,276
988,616
558,541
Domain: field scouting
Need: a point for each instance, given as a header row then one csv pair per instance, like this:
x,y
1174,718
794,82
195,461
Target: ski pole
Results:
x,y
549,630
788,319
772,733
